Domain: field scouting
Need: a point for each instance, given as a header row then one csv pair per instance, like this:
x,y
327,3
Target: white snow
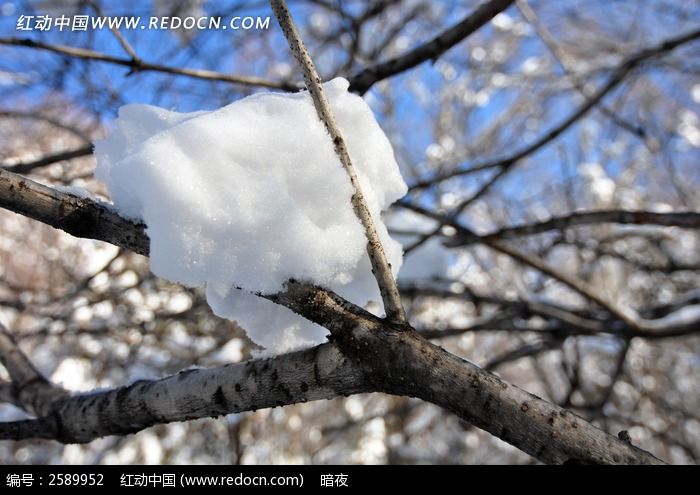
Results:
x,y
251,195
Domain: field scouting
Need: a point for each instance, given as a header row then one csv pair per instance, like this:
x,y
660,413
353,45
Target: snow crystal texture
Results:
x,y
251,195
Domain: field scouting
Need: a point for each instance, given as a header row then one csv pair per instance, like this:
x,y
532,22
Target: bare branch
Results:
x,y
380,265
505,164
29,389
19,114
431,50
25,168
673,325
138,65
562,57
122,41
405,364
19,368
685,219
526,350
312,374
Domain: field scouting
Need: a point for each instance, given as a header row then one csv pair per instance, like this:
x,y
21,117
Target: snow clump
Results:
x,y
251,195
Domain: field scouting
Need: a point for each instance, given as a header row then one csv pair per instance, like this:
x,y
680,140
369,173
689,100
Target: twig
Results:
x,y
19,114
120,38
505,165
639,326
565,62
137,65
15,362
431,50
526,350
380,265
25,168
687,219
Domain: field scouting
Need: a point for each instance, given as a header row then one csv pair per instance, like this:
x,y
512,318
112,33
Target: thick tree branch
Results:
x,y
368,354
80,217
431,50
380,265
403,363
313,374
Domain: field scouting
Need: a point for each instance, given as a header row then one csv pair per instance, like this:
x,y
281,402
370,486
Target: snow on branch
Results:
x,y
367,355
381,266
241,199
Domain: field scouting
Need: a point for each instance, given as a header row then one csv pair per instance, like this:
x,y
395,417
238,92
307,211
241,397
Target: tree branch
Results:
x,y
565,62
312,374
368,354
403,363
431,50
685,219
28,389
80,217
138,65
505,164
25,168
640,326
380,265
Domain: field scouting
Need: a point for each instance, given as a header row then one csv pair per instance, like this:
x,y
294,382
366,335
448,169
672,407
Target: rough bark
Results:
x,y
312,374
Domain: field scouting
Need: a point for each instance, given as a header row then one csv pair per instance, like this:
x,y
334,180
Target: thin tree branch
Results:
x,y
28,389
431,50
562,57
25,168
640,326
380,265
527,350
18,114
686,219
505,164
138,65
19,368
122,41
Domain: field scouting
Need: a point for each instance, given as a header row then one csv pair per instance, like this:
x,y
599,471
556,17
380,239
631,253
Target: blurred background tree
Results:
x,y
551,110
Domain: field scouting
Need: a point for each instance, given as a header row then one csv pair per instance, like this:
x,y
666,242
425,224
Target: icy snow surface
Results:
x,y
251,195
